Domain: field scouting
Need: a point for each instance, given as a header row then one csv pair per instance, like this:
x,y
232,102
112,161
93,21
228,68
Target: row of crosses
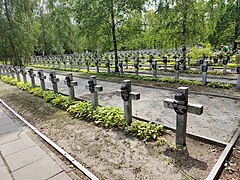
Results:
x,y
179,103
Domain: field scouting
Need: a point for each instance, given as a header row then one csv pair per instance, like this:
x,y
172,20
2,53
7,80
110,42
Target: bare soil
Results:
x,y
110,153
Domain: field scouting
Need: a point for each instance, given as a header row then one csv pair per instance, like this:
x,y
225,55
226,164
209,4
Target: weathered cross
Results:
x,y
204,72
154,68
1,70
127,97
17,73
225,61
42,79
94,89
70,83
121,67
24,74
176,68
12,72
32,76
54,80
238,81
182,107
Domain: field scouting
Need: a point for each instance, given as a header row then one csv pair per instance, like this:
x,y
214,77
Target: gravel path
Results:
x,y
219,121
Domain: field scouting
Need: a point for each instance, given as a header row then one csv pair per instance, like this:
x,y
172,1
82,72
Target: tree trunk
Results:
x,y
184,33
236,25
114,36
15,59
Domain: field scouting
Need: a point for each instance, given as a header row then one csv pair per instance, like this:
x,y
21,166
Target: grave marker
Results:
x,y
182,107
225,61
7,71
121,68
127,97
17,73
154,68
204,73
1,72
54,80
70,84
107,64
238,81
12,72
24,74
42,79
136,66
32,76
94,89
176,68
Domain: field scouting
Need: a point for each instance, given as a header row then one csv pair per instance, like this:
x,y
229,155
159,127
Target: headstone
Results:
x,y
87,64
71,64
32,77
107,64
225,65
127,97
70,84
176,68
17,73
1,70
121,67
182,107
79,65
7,71
238,81
204,73
59,63
24,74
94,89
126,61
97,65
150,61
136,66
54,80
154,68
12,72
165,60
42,79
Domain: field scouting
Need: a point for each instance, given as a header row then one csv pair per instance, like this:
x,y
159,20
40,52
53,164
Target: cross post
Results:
x,y
24,74
204,73
70,83
225,65
1,70
176,67
17,73
238,81
7,71
154,68
121,67
94,89
182,107
42,79
127,97
32,76
54,80
136,65
12,72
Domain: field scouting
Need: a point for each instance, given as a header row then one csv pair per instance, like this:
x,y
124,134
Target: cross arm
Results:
x,y
192,108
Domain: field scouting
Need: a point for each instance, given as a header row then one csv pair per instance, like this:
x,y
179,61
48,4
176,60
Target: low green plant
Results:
x,y
145,130
61,101
24,87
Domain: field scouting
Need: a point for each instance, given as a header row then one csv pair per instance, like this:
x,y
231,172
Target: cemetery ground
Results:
x,y
110,154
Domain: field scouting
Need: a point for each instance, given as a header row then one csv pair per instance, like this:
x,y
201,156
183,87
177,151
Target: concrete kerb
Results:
x,y
51,143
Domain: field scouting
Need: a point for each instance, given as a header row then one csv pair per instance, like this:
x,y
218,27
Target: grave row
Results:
x,y
180,102
154,67
123,58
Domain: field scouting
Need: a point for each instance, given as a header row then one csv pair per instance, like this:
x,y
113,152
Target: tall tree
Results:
x,y
99,18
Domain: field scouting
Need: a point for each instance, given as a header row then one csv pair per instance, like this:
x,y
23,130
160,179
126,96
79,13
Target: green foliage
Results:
x,y
145,130
198,51
24,87
9,80
109,117
219,85
61,101
36,92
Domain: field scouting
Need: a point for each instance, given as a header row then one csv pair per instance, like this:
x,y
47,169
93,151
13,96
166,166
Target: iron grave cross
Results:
x,y
182,107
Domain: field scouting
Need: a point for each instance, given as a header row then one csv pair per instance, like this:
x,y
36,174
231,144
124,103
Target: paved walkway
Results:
x,y
21,158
